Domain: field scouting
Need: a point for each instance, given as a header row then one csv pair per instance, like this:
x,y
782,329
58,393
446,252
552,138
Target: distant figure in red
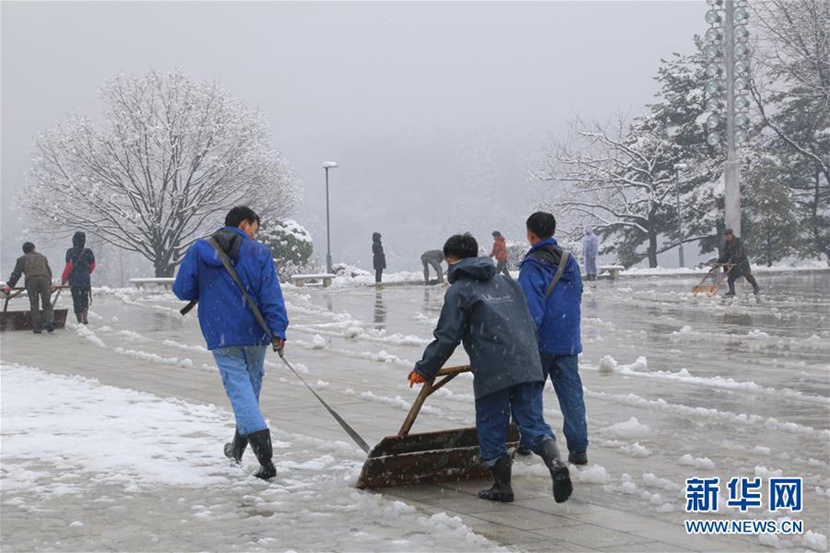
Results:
x,y
499,252
80,262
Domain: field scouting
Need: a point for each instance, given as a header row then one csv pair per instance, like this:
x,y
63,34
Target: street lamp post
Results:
x,y
727,90
677,168
326,166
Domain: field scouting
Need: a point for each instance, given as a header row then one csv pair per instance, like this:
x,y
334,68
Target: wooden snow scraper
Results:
x,y
22,320
444,456
710,283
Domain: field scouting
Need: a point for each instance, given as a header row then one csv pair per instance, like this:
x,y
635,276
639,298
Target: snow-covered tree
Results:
x,y
167,161
792,95
290,243
770,233
620,176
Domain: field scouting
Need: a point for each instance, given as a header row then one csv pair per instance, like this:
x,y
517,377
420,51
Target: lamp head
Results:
x,y
329,164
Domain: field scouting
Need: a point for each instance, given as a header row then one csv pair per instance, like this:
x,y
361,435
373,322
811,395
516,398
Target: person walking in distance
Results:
x,y
378,258
38,284
229,326
499,252
488,313
734,252
80,263
433,258
554,297
590,253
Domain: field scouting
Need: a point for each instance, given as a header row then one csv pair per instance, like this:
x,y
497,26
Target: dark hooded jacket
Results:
x,y
378,257
558,316
80,263
488,313
224,315
734,252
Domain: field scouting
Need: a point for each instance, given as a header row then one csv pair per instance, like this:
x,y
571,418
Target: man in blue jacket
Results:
x,y
557,316
232,333
488,314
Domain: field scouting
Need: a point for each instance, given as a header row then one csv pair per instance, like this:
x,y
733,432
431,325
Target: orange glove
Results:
x,y
415,378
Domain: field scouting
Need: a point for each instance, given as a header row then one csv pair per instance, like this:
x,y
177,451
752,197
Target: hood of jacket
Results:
x,y
546,252
476,268
79,240
376,237
229,239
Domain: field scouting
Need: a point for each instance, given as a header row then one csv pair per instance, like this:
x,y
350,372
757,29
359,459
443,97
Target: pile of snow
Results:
x,y
71,436
632,428
699,463
607,364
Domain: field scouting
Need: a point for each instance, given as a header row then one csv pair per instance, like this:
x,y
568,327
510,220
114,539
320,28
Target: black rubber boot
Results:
x,y
731,291
562,486
84,319
755,288
261,444
501,490
79,316
235,449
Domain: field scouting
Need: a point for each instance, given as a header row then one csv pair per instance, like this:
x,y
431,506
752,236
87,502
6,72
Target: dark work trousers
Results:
x,y
501,267
378,275
80,298
435,265
730,280
40,292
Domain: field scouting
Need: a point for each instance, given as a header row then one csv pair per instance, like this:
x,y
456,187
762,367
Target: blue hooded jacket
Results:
x,y
489,314
224,315
557,318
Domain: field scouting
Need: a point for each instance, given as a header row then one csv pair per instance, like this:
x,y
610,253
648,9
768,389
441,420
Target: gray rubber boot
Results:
x,y
501,490
562,486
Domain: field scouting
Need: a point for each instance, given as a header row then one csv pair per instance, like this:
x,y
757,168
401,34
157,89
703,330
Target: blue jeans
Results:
x,y
493,420
564,374
242,369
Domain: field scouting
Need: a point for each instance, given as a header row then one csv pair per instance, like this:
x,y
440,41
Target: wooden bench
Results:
x,y
167,282
612,270
300,280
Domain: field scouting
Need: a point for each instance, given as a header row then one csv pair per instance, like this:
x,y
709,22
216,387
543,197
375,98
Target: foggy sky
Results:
x,y
434,111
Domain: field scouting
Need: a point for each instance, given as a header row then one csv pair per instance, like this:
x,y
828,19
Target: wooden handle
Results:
x,y
426,390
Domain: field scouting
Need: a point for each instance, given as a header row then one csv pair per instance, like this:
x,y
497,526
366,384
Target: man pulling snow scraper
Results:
x,y
489,314
222,272
734,252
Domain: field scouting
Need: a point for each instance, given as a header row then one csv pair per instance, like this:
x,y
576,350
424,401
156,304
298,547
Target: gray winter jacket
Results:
x,y
488,312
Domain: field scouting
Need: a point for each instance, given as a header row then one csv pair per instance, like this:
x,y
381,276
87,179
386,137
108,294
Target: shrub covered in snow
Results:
x,y
290,243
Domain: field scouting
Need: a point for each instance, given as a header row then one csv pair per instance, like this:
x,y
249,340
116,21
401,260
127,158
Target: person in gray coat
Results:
x,y
38,286
590,252
488,313
433,258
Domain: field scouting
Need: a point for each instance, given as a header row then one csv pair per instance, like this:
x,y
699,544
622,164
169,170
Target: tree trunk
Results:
x,y
652,249
163,267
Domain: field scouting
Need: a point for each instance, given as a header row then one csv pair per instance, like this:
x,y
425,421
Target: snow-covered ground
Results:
x,y
676,387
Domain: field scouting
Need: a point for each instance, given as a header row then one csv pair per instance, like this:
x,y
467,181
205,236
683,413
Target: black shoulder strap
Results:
x,y
223,257
563,262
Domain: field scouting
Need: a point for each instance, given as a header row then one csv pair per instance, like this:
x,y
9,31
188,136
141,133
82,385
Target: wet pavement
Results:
x,y
677,387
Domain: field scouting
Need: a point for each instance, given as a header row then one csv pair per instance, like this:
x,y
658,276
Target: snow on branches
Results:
x,y
170,157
